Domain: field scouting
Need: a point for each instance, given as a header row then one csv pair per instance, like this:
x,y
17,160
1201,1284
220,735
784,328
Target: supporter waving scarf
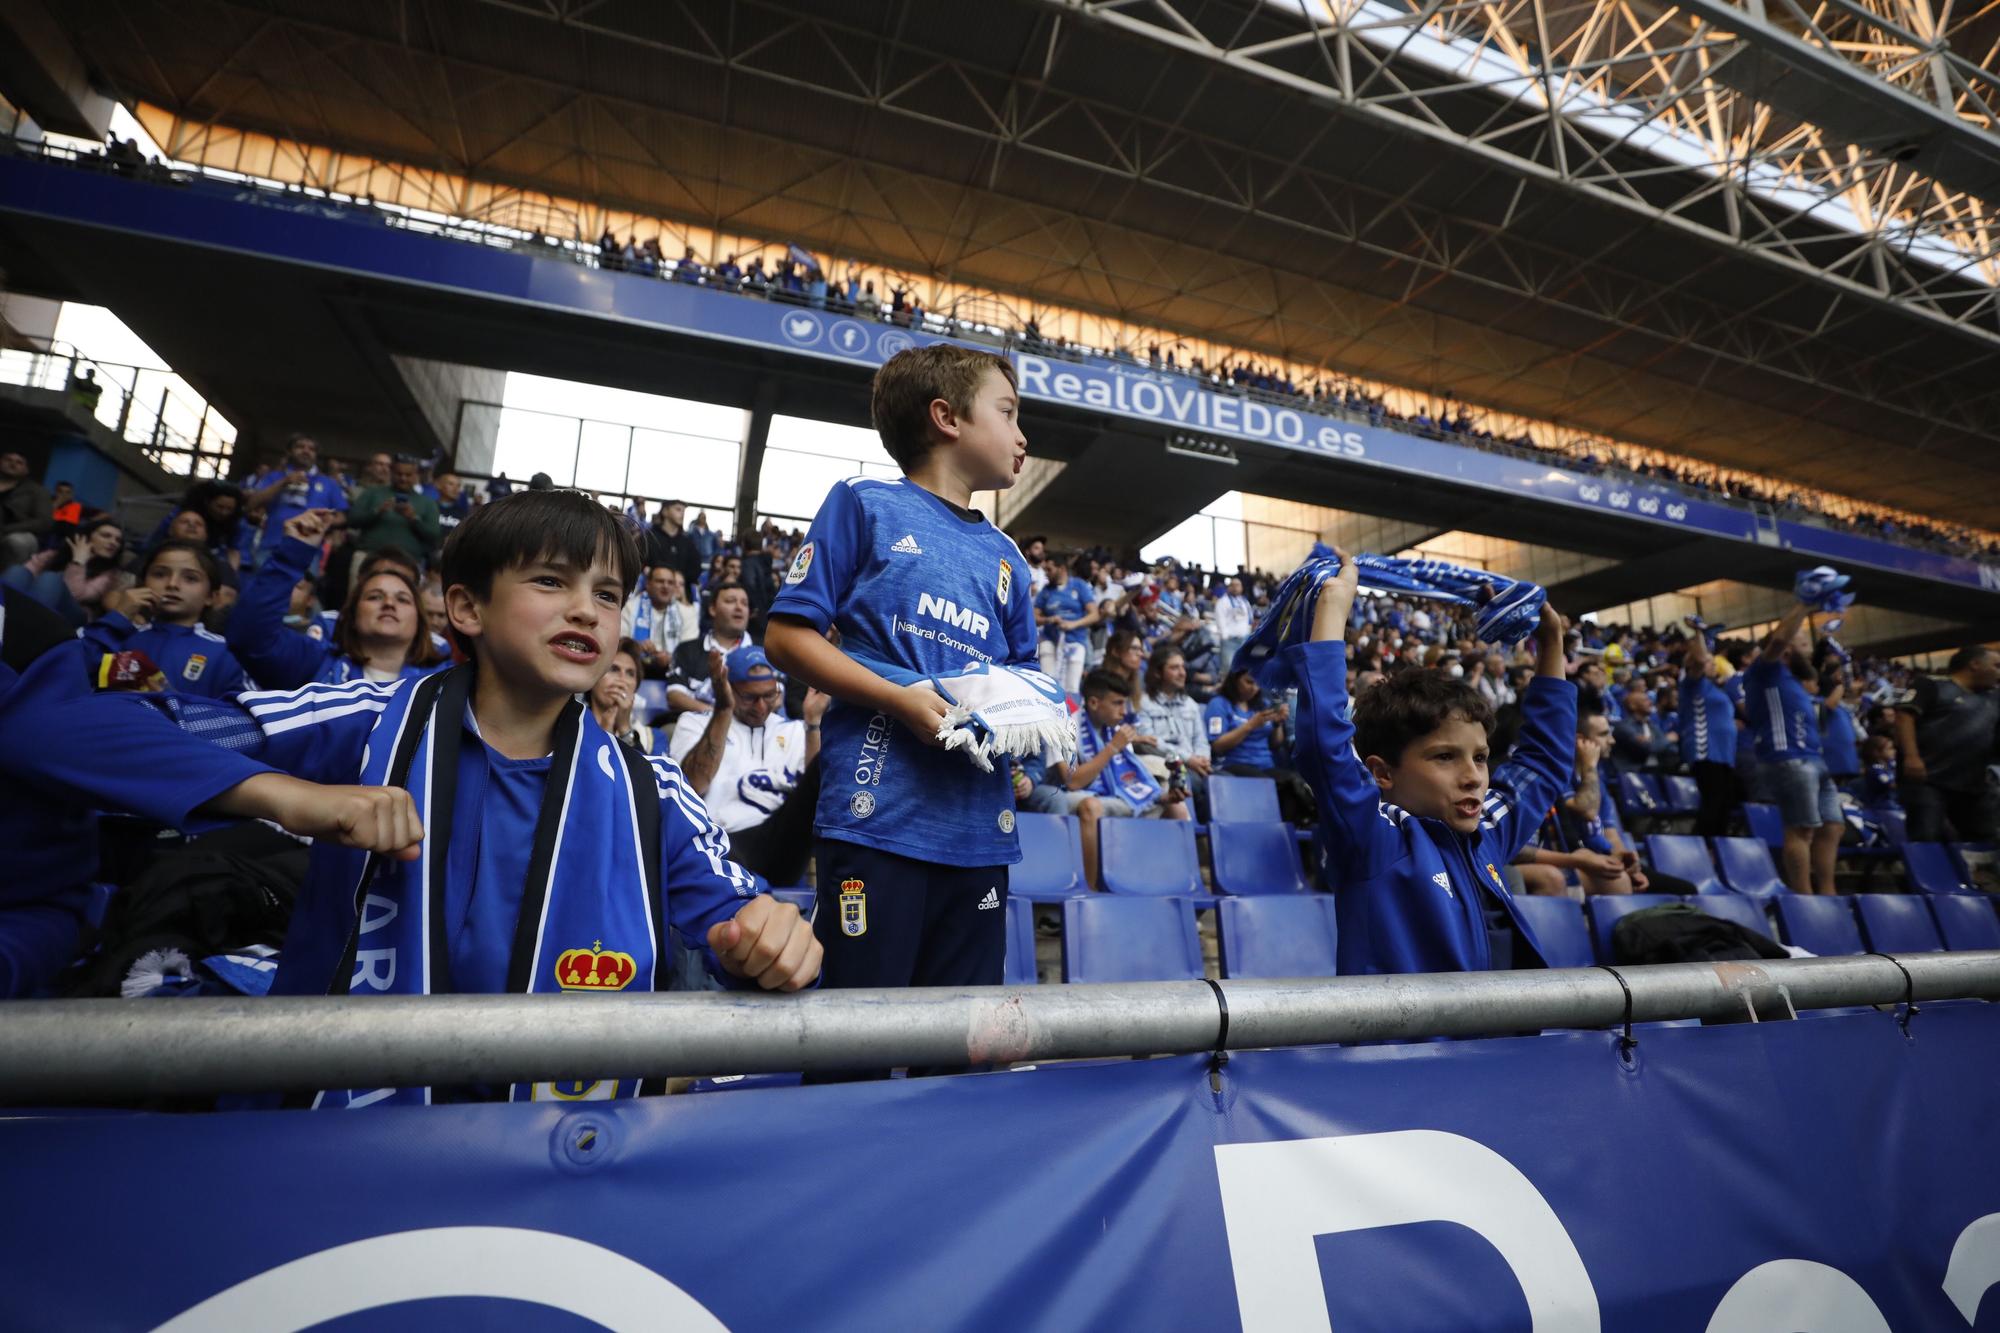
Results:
x,y
1509,609
591,916
995,710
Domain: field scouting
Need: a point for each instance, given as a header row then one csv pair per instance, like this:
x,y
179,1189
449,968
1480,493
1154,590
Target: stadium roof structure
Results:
x,y
1748,231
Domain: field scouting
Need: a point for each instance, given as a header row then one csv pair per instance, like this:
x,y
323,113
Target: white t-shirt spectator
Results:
x,y
1232,616
759,767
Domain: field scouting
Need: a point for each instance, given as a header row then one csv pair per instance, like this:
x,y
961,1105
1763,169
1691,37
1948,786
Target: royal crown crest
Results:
x,y
595,969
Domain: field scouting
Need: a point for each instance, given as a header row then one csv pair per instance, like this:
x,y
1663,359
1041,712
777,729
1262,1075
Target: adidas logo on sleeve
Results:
x,y
990,901
1443,881
907,546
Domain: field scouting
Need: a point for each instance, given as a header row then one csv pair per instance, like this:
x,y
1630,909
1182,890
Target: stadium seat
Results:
x,y
1255,858
1747,867
1020,966
1932,869
1607,908
1152,857
1966,921
1241,800
1289,935
1106,938
651,701
1897,923
1748,912
1051,864
1818,923
803,899
1638,797
1686,857
1766,824
1559,929
1683,796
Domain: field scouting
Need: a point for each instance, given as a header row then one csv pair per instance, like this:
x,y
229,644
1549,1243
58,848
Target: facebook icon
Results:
x,y
848,338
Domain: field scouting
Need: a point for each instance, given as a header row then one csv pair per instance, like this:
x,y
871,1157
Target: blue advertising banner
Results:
x,y
1829,1175
322,234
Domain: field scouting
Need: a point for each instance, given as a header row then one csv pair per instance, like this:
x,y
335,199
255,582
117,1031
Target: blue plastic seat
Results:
x,y
1683,794
1277,935
1895,822
1897,923
803,899
1255,858
1746,912
1107,938
1019,969
1766,824
1051,864
1607,908
1932,869
1638,797
1686,857
1966,920
1559,929
1747,868
1242,800
1819,923
1150,857
649,704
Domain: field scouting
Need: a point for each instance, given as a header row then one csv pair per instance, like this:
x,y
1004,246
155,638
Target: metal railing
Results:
x,y
70,1050
137,404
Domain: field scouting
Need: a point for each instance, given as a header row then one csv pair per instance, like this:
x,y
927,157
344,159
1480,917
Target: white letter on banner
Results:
x,y
1276,1197
1974,1266
1798,1296
365,973
1034,373
388,909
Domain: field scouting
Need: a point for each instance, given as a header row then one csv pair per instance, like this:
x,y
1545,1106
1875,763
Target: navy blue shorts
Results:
x,y
889,920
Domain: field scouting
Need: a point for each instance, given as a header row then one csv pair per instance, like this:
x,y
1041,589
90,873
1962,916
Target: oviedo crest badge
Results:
x,y
853,908
1006,581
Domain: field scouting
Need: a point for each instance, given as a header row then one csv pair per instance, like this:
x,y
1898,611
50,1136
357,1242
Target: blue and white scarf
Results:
x,y
1509,609
1123,776
592,917
995,710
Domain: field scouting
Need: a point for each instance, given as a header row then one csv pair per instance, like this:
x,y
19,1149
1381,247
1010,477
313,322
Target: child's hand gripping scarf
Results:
x,y
995,710
1509,609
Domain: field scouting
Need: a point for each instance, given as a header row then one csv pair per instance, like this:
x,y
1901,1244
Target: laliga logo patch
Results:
x,y
853,909
801,562
1006,581
594,969
196,664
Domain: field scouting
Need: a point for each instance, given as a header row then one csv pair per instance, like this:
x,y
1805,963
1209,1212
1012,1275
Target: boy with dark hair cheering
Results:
x,y
1414,828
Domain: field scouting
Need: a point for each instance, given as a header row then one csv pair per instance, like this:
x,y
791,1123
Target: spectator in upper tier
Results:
x,y
1785,728
1240,735
285,492
396,515
1948,733
756,770
26,510
161,617
381,634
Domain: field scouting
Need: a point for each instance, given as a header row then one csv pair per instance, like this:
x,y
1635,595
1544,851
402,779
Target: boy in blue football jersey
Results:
x,y
913,841
482,833
161,617
1413,831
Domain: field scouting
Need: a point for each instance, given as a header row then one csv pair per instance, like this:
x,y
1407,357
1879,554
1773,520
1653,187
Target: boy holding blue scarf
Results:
x,y
1105,764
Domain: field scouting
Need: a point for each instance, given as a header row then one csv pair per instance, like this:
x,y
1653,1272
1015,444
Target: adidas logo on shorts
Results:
x,y
907,546
990,901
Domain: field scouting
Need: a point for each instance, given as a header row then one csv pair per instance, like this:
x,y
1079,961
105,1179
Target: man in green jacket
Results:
x,y
397,515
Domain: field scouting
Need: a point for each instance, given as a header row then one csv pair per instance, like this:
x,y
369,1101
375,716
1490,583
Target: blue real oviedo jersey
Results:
x,y
911,581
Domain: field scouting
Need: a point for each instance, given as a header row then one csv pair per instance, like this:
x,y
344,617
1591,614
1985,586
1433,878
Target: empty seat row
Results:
x,y
1154,858
1110,939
